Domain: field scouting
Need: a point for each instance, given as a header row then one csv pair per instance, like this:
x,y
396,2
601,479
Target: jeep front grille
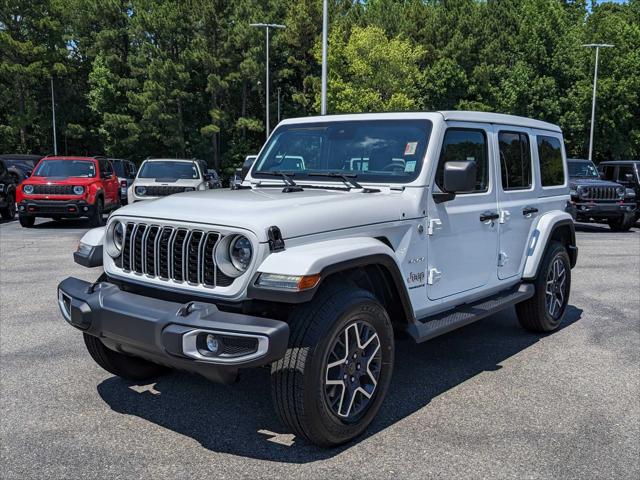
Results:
x,y
161,190
174,253
53,189
599,193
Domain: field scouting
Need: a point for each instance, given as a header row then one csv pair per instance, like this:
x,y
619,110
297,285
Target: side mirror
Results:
x,y
28,173
628,177
459,177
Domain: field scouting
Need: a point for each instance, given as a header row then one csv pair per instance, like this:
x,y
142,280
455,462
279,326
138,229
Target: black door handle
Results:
x,y
529,210
486,216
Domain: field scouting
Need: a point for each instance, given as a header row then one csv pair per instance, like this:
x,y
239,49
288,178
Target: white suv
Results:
x,y
414,222
160,177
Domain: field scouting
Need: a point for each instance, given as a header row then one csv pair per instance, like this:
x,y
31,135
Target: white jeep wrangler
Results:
x,y
414,222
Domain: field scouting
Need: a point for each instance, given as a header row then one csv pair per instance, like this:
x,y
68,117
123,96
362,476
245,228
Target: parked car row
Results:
x,y
59,187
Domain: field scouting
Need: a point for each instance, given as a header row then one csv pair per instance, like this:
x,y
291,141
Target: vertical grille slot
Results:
x,y
209,267
138,250
150,250
126,248
193,256
177,250
163,252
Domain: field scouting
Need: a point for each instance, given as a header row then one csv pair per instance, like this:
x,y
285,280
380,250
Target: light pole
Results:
x,y
53,119
325,31
597,46
278,104
267,26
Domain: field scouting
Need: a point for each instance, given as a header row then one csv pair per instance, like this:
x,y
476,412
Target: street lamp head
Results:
x,y
267,25
598,45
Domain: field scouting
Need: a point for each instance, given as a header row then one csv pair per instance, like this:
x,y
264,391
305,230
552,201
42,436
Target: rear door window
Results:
x,y
551,165
515,160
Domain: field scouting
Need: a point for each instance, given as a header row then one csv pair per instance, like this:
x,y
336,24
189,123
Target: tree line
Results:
x,y
185,78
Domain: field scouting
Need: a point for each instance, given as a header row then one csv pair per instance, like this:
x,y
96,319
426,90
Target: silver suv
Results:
x,y
160,177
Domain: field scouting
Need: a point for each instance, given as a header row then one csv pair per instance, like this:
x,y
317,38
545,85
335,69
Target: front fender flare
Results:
x,y
327,258
89,253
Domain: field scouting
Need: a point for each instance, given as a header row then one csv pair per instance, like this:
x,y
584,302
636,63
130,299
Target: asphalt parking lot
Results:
x,y
489,400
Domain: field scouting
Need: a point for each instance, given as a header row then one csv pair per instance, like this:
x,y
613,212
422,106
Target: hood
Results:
x,y
60,180
591,182
171,182
296,213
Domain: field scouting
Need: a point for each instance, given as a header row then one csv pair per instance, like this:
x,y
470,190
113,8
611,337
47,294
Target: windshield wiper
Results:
x,y
347,178
290,185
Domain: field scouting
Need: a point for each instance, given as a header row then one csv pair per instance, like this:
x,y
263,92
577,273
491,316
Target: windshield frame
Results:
x,y
578,162
41,163
362,176
198,176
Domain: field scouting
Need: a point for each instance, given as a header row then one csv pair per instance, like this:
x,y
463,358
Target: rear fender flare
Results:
x,y
540,238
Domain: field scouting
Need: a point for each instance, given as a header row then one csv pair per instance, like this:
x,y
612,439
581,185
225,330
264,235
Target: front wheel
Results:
x,y
98,209
10,210
622,224
27,221
336,372
544,311
125,366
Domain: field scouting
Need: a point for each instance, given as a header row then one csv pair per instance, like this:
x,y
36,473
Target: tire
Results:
x,y
621,224
9,212
537,314
301,396
125,366
27,221
96,218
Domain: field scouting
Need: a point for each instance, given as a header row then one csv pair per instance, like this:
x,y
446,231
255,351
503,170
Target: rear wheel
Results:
x,y
125,366
336,372
96,218
26,221
9,212
544,311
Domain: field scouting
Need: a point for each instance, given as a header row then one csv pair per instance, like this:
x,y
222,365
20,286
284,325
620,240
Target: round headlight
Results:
x,y
28,189
141,191
78,190
115,238
240,252
620,191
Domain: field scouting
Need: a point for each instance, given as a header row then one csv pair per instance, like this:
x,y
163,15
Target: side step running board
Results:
x,y
430,327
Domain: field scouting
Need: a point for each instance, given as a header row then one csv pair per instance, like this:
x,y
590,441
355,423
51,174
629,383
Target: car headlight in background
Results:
x,y
620,191
573,192
78,190
233,255
114,239
28,189
141,191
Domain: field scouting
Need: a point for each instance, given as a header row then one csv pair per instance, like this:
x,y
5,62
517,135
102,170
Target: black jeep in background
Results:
x,y
598,200
7,193
626,173
20,165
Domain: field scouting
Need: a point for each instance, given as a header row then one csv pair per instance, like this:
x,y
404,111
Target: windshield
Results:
x,y
169,169
21,164
583,169
65,168
376,151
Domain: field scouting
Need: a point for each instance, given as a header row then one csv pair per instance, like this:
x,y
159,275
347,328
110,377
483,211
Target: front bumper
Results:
x,y
170,333
55,208
586,210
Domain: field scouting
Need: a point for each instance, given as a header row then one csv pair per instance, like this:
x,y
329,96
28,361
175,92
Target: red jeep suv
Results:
x,y
68,187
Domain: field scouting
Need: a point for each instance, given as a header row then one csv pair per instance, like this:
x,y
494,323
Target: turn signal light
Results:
x,y
288,282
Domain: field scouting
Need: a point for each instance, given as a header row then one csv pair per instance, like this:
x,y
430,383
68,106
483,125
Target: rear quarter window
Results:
x,y
551,166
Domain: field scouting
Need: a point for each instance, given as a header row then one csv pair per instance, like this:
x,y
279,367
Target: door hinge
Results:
x,y
504,216
503,258
434,276
434,224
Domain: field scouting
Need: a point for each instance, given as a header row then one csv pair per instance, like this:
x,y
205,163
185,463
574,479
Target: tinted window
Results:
x,y
550,156
609,172
465,145
515,160
118,167
623,171
376,151
2,169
